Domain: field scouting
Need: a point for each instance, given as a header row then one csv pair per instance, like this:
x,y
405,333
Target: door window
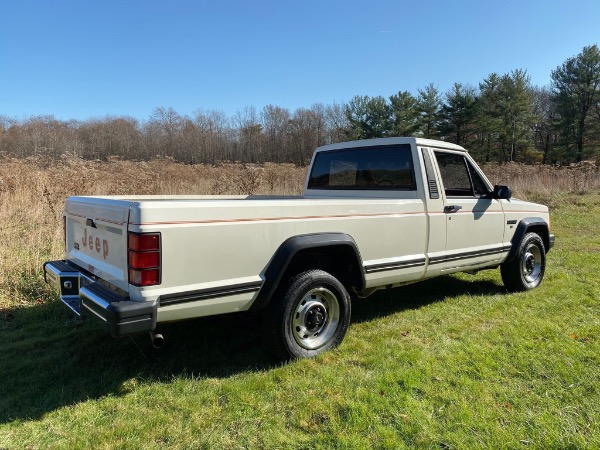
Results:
x,y
459,177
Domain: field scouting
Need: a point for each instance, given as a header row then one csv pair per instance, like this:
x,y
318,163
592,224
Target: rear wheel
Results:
x,y
312,317
526,271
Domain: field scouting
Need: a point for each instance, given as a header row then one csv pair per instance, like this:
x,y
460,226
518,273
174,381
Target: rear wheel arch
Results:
x,y
334,253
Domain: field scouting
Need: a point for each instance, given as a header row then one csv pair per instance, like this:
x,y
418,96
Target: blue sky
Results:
x,y
83,59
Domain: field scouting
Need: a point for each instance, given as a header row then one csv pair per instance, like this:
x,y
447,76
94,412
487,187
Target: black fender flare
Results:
x,y
524,226
286,252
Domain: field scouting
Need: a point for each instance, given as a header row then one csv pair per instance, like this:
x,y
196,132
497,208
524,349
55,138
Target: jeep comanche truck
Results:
x,y
375,213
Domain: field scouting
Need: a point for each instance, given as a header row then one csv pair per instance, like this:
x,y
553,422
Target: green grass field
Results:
x,y
454,362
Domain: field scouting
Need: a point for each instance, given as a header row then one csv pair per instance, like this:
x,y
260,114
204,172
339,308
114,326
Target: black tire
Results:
x,y
312,317
526,271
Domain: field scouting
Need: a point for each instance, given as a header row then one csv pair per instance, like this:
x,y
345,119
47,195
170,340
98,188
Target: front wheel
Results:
x,y
312,317
526,271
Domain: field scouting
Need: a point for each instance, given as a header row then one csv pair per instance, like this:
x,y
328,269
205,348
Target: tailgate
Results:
x,y
96,237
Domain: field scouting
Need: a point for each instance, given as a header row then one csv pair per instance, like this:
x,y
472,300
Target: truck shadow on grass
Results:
x,y
49,360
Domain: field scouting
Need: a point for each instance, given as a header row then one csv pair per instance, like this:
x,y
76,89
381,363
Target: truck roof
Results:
x,y
392,141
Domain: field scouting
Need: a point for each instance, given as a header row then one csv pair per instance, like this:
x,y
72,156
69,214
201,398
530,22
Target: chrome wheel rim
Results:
x,y
315,318
532,263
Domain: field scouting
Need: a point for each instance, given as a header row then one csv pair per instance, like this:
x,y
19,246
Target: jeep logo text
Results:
x,y
94,243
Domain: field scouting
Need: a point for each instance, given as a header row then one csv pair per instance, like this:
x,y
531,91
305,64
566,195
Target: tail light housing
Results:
x,y
143,258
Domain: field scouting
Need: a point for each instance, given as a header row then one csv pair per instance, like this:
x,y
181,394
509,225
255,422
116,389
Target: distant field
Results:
x,y
454,362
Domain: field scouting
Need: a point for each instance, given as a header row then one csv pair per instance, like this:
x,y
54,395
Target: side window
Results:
x,y
364,168
459,177
455,174
479,185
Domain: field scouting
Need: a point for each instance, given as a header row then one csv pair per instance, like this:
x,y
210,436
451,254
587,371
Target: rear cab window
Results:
x,y
364,168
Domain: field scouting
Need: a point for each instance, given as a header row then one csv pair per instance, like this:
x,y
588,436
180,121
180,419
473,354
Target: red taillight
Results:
x,y
148,277
144,242
143,258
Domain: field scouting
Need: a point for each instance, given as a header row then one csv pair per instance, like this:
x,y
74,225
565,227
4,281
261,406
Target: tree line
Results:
x,y
505,118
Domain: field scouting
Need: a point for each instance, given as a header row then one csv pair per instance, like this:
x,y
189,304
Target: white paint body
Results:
x,y
212,242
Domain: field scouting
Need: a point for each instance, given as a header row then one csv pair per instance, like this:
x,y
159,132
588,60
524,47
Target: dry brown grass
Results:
x,y
547,184
32,193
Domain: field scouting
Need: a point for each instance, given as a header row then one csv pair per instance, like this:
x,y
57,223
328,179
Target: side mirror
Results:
x,y
502,192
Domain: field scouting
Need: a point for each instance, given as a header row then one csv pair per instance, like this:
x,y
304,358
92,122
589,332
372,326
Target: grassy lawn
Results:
x,y
454,362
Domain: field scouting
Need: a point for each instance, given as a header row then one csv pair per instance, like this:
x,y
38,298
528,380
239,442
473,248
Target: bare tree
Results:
x,y
307,131
249,136
214,136
163,132
276,121
336,122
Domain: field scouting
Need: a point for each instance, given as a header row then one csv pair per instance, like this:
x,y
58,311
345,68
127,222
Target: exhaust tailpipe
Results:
x,y
158,341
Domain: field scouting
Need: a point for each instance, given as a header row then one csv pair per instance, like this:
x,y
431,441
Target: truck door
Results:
x,y
474,220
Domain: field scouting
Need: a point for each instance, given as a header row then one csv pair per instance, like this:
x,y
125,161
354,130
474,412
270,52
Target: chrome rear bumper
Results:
x,y
85,296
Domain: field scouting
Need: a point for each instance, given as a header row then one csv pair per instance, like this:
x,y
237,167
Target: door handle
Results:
x,y
452,208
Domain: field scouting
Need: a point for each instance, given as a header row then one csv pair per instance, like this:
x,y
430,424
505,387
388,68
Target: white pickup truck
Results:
x,y
375,213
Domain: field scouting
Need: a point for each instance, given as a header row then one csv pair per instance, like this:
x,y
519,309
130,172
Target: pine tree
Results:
x,y
576,88
428,106
458,114
368,117
404,114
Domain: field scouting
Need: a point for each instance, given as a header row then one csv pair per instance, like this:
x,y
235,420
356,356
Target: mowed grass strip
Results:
x,y
454,362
